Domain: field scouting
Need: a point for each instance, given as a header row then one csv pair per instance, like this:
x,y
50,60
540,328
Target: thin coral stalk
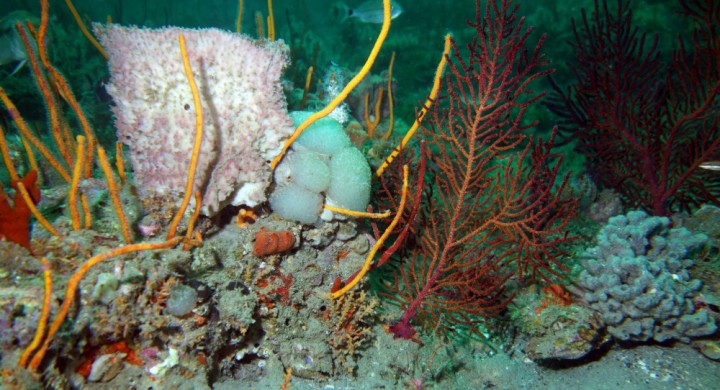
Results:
x,y
391,118
66,132
195,215
271,21
67,94
193,218
77,171
119,163
372,124
198,139
114,195
44,314
359,214
86,210
308,79
25,131
238,21
31,205
259,23
64,89
378,243
31,157
42,29
84,29
47,95
428,103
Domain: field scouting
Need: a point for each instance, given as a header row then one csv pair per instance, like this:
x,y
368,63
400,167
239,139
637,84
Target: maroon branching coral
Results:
x,y
646,123
492,213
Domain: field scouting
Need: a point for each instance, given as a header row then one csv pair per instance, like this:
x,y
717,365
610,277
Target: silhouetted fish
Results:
x,y
710,165
370,11
12,49
100,90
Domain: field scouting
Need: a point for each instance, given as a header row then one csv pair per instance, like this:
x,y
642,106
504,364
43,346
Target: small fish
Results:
x,y
370,11
100,90
710,165
12,49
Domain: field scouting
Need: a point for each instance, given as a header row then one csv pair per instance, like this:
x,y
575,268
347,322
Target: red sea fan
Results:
x,y
492,213
646,122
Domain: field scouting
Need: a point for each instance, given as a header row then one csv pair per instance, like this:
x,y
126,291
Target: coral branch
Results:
x,y
72,194
42,323
114,195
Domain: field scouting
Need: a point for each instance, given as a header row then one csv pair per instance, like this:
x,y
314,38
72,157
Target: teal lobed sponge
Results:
x,y
326,137
350,180
296,203
322,166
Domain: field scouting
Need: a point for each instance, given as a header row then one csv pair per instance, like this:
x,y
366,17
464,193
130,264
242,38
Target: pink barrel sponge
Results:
x,y
245,113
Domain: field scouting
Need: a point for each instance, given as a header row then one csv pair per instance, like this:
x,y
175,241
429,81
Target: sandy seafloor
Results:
x,y
639,367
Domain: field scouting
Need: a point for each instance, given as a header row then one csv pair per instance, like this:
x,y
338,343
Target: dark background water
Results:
x,y
318,35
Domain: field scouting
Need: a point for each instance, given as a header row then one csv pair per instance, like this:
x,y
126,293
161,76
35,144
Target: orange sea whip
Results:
x,y
6,156
308,78
198,139
371,125
77,171
346,91
25,131
113,191
426,107
391,119
74,281
31,205
379,242
47,95
119,162
42,322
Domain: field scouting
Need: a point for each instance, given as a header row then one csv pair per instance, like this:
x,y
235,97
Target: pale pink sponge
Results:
x,y
245,113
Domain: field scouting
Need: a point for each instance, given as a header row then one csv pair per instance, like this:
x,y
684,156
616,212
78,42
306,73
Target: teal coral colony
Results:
x,y
362,194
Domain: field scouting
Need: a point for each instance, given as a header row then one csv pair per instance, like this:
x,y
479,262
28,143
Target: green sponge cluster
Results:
x,y
322,166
